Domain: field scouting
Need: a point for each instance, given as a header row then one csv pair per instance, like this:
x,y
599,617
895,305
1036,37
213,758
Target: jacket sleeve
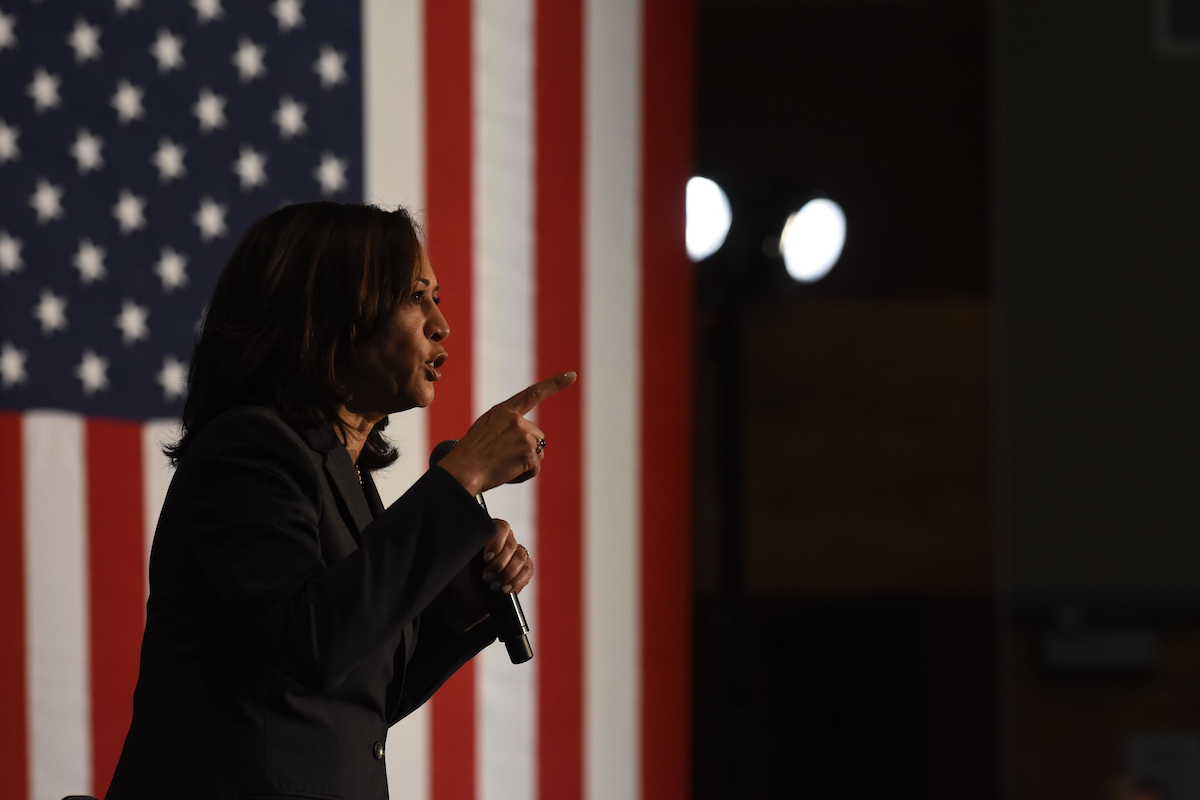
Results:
x,y
255,505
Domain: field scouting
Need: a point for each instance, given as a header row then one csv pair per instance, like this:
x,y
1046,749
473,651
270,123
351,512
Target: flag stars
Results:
x,y
331,66
210,219
169,160
210,111
248,59
290,118
132,322
89,260
171,269
9,40
127,101
51,312
251,168
172,378
12,366
92,372
129,212
331,174
167,51
288,14
46,200
10,254
85,41
207,10
86,151
44,90
8,142
128,5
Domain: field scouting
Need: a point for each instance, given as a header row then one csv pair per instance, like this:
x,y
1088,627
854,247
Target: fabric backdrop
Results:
x,y
544,145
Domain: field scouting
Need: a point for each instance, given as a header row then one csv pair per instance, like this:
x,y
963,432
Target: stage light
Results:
x,y
812,240
708,218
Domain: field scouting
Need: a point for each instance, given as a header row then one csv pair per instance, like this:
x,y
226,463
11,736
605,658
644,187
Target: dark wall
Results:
x,y
1100,334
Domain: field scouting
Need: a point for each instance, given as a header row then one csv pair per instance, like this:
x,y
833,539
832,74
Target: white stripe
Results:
x,y
156,476
610,380
394,102
56,596
502,82
394,173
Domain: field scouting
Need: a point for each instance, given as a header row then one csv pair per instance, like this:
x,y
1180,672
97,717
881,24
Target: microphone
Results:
x,y
504,609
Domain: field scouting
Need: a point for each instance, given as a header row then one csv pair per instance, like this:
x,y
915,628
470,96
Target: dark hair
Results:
x,y
304,287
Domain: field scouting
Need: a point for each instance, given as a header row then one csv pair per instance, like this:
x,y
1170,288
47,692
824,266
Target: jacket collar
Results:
x,y
343,476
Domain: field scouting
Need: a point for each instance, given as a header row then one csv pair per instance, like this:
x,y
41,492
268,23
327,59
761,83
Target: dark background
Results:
x,y
973,443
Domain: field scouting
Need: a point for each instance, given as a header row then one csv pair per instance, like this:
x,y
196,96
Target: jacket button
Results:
x,y
377,750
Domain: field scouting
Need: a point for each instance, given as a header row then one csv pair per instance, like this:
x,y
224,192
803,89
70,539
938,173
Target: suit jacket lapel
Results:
x,y
343,478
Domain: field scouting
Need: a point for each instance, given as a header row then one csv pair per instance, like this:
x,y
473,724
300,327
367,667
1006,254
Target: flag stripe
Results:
x,y
502,288
448,170
14,748
113,454
56,595
558,195
667,381
612,262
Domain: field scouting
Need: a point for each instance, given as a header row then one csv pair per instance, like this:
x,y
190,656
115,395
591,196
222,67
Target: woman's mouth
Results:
x,y
434,366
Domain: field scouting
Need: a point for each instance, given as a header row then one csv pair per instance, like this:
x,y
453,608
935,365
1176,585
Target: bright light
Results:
x,y
708,218
812,240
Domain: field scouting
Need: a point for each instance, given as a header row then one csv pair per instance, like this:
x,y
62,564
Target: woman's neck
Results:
x,y
356,428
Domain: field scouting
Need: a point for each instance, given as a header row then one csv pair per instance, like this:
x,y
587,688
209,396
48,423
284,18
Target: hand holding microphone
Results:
x,y
503,447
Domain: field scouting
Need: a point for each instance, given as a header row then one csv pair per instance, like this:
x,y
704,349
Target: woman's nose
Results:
x,y
438,328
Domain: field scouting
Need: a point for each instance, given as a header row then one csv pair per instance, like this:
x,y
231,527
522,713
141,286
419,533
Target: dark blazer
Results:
x,y
291,618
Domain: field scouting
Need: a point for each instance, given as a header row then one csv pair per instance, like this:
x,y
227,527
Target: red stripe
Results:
x,y
667,380
558,274
116,563
14,746
448,235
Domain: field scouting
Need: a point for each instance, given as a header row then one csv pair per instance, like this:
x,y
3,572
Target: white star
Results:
x,y
287,12
290,118
92,372
127,100
85,41
169,160
331,174
129,212
8,142
7,37
173,378
12,365
51,311
251,168
128,5
86,151
132,322
210,110
331,66
44,90
89,260
207,10
167,51
171,269
47,201
249,59
10,254
210,219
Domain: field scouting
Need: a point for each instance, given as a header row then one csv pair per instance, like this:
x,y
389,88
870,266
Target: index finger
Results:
x,y
527,399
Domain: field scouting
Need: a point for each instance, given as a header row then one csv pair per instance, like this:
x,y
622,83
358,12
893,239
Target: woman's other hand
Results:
x,y
502,446
509,567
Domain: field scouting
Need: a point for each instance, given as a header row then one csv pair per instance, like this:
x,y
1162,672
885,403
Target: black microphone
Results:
x,y
504,609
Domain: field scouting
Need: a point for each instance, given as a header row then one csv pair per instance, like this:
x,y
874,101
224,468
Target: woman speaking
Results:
x,y
292,618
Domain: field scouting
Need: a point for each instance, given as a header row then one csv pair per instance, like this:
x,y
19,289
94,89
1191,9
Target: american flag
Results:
x,y
545,145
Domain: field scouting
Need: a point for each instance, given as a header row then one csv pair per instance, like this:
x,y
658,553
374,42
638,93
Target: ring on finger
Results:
x,y
526,549
541,445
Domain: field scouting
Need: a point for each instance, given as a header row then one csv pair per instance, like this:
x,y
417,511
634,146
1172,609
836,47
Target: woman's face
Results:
x,y
396,368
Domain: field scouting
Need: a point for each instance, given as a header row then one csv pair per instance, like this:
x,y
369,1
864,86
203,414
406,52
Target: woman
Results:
x,y
292,618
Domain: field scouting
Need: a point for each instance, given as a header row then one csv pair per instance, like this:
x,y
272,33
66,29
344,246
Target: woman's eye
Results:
x,y
418,297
